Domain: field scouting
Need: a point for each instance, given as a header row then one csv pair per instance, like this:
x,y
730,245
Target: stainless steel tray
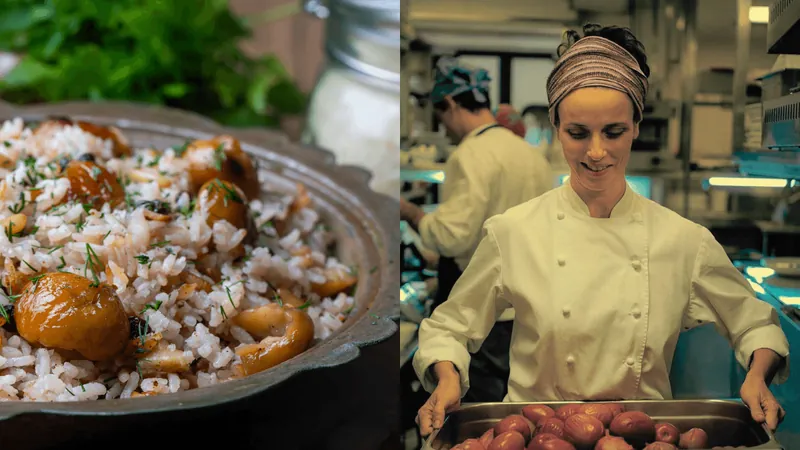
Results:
x,y
728,423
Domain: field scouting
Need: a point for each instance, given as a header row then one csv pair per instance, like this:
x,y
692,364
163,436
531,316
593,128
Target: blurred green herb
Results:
x,y
181,54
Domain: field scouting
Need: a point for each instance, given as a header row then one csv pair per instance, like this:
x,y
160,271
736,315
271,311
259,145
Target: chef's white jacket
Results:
x,y
599,302
484,176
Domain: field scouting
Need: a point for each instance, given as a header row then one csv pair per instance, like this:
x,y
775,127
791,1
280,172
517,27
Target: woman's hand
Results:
x,y
444,399
763,406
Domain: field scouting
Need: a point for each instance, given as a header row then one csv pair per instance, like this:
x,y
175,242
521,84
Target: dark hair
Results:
x,y
465,100
623,37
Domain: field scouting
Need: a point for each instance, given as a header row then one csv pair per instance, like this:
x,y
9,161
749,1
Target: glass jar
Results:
x,y
354,109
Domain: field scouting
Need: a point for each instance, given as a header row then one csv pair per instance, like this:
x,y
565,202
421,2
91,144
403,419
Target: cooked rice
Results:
x,y
196,328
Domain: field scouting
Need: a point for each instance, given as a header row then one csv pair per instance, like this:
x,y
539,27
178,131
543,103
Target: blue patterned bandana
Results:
x,y
452,78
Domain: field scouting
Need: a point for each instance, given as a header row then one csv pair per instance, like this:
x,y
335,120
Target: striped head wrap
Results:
x,y
594,61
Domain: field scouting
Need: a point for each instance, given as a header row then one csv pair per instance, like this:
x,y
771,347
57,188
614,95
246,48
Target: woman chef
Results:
x,y
490,171
602,280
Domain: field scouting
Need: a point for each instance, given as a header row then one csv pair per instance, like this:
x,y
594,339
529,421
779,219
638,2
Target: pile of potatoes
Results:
x,y
584,426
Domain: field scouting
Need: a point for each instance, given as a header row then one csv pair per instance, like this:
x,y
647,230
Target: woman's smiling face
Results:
x,y
596,130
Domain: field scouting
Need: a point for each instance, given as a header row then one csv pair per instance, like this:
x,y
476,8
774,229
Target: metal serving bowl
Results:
x,y
364,223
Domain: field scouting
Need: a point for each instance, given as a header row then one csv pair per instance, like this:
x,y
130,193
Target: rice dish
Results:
x,y
170,269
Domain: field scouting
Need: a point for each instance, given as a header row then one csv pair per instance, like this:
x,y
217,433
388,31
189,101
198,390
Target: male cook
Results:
x,y
491,170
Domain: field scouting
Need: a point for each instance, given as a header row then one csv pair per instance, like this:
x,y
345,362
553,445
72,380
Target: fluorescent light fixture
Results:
x,y
747,182
756,287
759,14
759,273
789,300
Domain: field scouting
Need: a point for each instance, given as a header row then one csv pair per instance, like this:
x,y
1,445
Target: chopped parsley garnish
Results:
x,y
63,263
222,311
69,390
5,315
142,329
153,306
305,305
96,172
187,210
57,247
229,193
228,291
143,259
7,143
33,230
87,207
154,162
92,264
181,148
160,244
219,156
277,298
83,388
17,208
10,232
106,235
29,266
81,223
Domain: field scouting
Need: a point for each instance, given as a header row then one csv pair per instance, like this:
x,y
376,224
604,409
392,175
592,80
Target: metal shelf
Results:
x,y
776,164
783,30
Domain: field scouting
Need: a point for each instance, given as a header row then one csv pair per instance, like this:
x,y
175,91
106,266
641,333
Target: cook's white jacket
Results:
x,y
599,302
486,175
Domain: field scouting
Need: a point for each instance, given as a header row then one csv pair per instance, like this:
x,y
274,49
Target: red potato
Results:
x,y
535,413
567,410
608,442
514,422
554,444
616,408
660,446
471,444
583,431
635,427
599,411
551,425
693,439
538,440
667,432
510,440
487,437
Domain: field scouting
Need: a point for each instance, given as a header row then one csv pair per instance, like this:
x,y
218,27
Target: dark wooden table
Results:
x,y
350,407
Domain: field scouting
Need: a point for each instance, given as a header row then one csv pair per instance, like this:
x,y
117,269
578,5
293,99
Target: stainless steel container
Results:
x,y
728,423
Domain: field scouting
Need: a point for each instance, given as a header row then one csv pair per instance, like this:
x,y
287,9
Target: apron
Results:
x,y
489,367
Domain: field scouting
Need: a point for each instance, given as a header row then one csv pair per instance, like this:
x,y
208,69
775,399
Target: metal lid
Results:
x,y
364,35
383,10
